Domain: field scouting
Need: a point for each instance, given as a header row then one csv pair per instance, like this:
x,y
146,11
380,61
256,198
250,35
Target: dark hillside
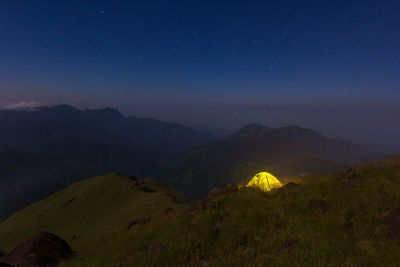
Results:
x,y
48,148
286,152
347,218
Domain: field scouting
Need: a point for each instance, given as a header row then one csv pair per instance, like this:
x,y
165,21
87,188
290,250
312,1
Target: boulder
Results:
x,y
44,249
290,185
3,264
290,189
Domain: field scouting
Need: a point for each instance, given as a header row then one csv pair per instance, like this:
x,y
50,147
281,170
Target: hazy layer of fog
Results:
x,y
372,124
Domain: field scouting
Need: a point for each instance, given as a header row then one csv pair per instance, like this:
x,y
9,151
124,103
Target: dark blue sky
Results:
x,y
208,63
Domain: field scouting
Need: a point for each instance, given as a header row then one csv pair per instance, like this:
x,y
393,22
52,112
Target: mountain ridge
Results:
x,y
74,144
285,151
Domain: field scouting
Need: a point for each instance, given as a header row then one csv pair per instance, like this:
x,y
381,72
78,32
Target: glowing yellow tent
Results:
x,y
264,181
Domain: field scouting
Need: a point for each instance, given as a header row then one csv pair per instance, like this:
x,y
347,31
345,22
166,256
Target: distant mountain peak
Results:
x,y
294,129
108,112
65,109
251,129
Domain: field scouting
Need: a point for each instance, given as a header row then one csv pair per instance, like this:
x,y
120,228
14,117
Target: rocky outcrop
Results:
x,y
144,220
346,173
207,201
3,264
42,250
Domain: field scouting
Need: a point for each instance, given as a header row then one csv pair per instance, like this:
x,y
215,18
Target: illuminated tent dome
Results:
x,y
264,181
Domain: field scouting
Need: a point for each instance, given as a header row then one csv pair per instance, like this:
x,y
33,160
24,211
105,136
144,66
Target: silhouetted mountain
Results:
x,y
382,149
51,147
217,132
106,126
286,151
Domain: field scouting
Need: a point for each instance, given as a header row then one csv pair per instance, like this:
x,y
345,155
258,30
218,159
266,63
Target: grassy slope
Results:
x,y
95,211
323,222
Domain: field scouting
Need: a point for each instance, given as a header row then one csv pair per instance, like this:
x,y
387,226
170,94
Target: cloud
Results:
x,y
20,105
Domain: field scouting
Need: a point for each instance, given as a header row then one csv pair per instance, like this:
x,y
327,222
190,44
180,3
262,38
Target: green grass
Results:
x,y
322,222
89,214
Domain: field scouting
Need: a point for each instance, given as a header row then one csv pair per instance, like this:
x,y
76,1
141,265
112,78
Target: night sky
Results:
x,y
330,65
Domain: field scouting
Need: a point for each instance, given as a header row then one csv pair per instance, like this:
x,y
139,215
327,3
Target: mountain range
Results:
x,y
45,149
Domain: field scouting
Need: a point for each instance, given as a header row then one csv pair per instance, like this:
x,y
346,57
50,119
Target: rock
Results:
x,y
215,192
155,247
290,185
340,174
394,231
168,211
346,173
130,224
289,189
230,188
133,180
148,189
208,200
143,220
3,264
190,208
44,249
